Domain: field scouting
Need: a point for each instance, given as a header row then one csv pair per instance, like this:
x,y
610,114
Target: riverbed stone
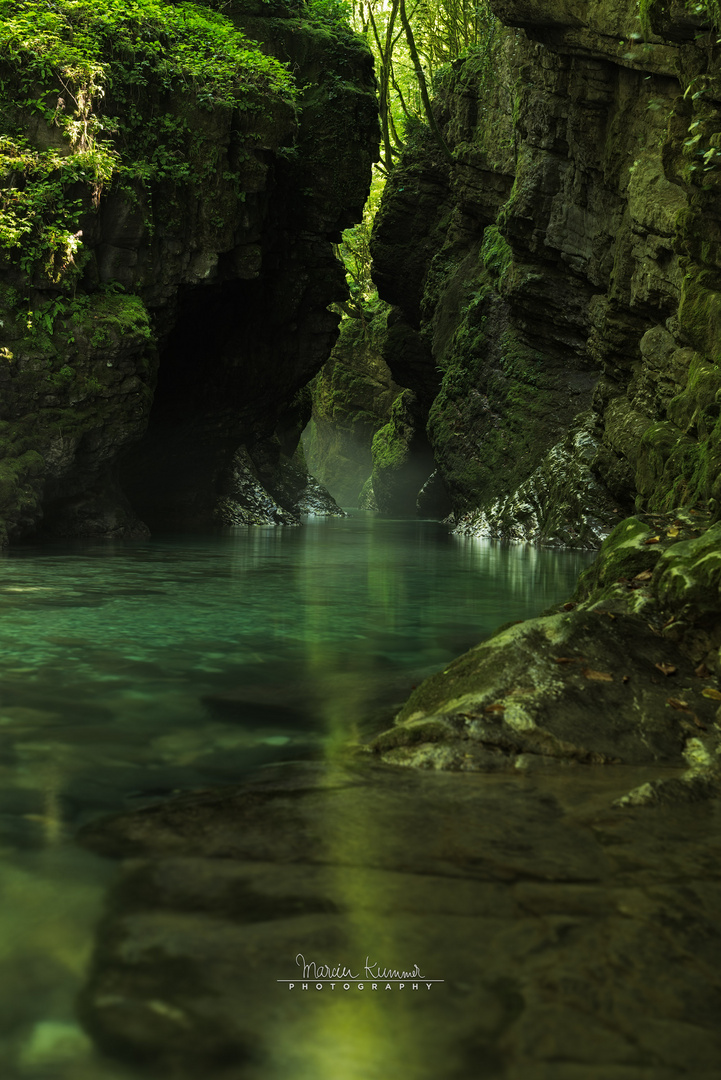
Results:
x,y
574,937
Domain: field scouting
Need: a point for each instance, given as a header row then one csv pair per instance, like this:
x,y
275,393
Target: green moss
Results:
x,y
700,311
496,254
644,15
20,483
390,443
490,416
623,554
109,316
689,574
680,462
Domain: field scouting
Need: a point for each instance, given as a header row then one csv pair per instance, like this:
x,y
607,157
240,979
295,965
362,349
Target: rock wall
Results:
x,y
566,301
560,315
352,399
160,384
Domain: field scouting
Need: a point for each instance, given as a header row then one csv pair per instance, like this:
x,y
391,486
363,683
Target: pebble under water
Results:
x,y
133,671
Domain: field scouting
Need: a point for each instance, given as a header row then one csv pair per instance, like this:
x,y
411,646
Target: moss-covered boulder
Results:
x,y
627,672
402,461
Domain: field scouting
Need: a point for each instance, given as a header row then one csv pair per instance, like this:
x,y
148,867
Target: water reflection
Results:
x,y
132,671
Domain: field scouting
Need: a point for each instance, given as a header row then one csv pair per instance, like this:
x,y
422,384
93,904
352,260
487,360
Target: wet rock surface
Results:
x,y
352,398
576,937
625,672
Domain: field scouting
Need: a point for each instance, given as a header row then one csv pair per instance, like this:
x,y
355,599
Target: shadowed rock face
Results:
x,y
136,404
556,289
352,398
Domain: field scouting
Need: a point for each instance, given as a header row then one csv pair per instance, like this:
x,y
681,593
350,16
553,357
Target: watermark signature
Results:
x,y
373,976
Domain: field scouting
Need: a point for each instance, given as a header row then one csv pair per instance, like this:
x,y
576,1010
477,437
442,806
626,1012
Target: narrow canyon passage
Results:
x,y
430,790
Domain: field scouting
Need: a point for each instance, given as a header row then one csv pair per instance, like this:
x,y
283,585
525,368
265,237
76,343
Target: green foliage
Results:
x,y
41,320
78,67
332,12
438,32
354,252
711,9
446,29
62,378
644,16
496,255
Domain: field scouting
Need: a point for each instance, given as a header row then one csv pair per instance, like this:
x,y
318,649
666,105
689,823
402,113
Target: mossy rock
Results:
x,y
688,576
623,554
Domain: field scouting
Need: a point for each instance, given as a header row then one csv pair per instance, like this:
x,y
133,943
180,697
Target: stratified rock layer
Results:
x,y
563,274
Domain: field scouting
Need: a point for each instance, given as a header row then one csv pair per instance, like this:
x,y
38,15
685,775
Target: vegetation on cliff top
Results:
x,y
413,51
80,79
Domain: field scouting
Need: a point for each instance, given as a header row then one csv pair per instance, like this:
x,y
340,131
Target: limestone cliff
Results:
x,y
352,399
564,314
560,320
167,257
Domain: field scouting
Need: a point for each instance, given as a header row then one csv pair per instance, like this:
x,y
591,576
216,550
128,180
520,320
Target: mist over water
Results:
x,y
130,671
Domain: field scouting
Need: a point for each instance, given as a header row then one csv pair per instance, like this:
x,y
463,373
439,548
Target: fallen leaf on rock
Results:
x,y
666,669
645,575
567,659
675,703
673,531
709,692
496,707
569,606
599,676
702,671
653,540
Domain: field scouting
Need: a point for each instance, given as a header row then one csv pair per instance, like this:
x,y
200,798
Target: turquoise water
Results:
x,y
129,671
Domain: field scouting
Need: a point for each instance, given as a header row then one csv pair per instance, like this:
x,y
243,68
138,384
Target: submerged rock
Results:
x,y
522,895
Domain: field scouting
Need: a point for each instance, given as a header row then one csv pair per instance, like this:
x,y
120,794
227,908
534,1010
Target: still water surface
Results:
x,y
130,671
